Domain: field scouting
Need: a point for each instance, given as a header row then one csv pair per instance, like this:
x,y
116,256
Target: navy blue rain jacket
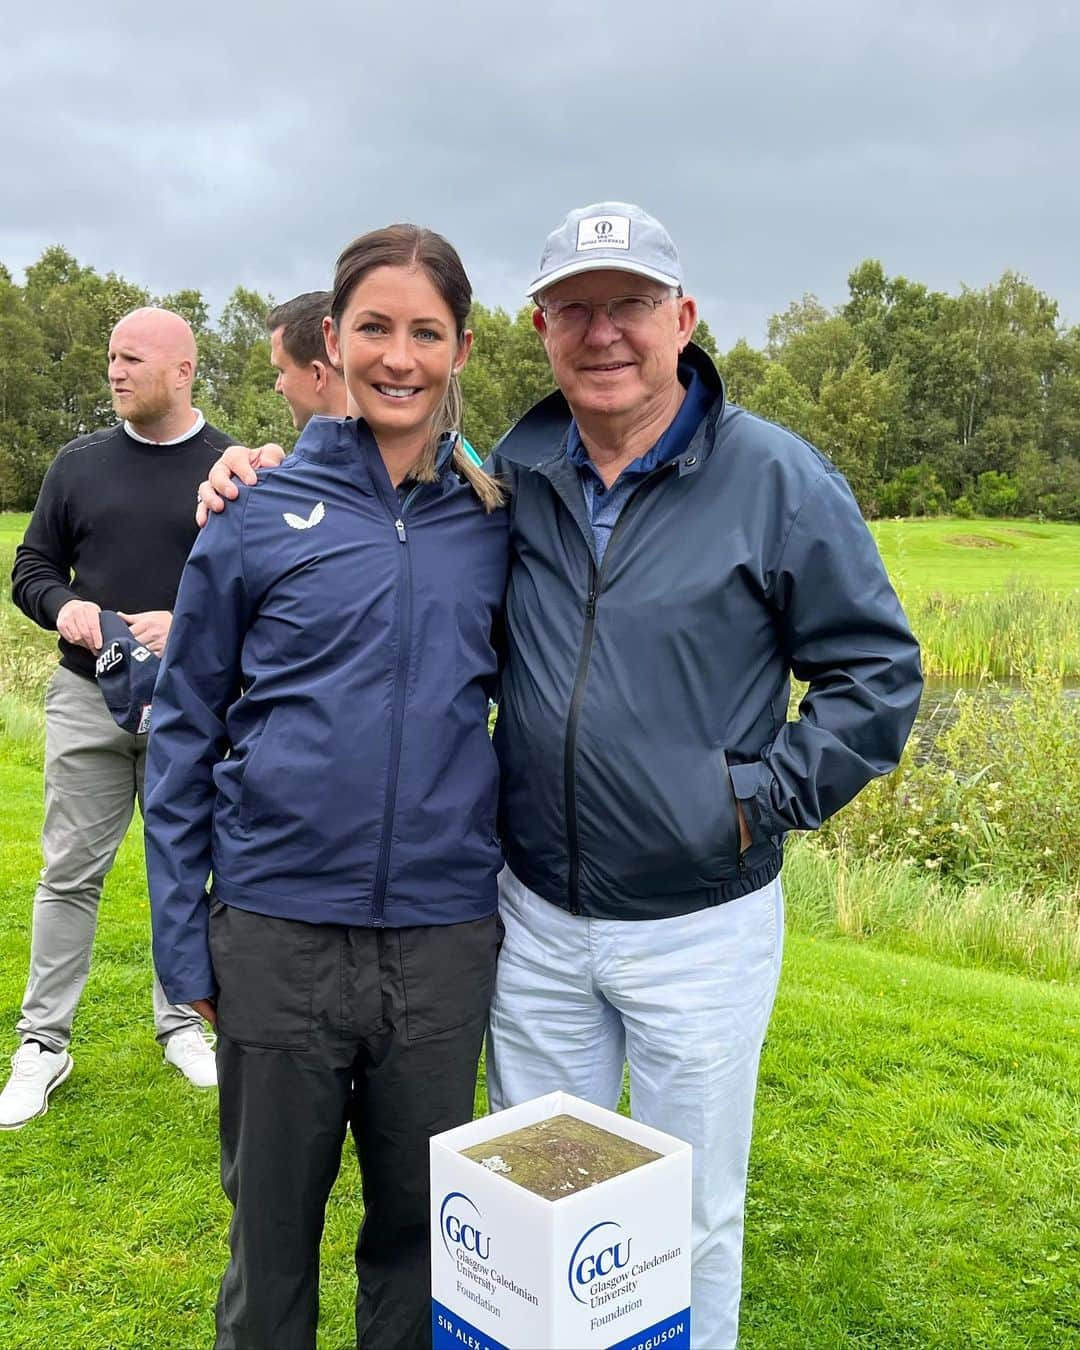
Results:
x,y
643,696
320,722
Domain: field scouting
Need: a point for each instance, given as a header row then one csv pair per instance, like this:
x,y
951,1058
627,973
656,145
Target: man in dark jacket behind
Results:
x,y
111,530
675,560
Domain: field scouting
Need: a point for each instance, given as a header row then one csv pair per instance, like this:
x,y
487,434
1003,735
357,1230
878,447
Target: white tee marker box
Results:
x,y
605,1268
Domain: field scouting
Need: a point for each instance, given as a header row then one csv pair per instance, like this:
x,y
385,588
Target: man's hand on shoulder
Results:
x,y
237,462
78,623
150,627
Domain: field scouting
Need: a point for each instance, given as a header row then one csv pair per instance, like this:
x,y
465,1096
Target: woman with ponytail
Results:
x,y
320,747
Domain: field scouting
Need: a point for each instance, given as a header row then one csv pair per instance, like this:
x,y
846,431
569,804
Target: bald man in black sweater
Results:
x,y
112,529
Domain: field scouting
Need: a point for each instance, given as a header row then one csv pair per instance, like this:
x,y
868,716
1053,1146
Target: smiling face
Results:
x,y
603,370
397,345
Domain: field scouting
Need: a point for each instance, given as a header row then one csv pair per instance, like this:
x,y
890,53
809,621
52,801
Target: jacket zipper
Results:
x,y
596,585
397,719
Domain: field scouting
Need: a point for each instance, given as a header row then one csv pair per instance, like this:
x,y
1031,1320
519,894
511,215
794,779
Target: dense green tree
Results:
x,y
800,317
507,373
851,423
781,398
703,336
743,370
915,491
926,401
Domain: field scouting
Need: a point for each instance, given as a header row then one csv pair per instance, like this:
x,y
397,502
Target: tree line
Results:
x,y
928,402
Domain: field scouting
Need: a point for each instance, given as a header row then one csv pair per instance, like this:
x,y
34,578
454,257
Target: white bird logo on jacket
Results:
x,y
299,523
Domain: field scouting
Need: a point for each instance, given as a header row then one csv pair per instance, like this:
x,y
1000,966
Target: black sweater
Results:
x,y
114,523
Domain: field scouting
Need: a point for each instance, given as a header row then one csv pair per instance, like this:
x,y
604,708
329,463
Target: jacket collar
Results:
x,y
337,440
540,435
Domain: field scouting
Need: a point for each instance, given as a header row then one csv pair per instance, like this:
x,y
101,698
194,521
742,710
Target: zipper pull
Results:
x,y
399,525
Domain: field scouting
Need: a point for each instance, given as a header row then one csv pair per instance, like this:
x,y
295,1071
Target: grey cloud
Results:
x,y
780,143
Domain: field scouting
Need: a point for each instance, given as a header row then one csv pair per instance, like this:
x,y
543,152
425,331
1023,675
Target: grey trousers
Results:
x,y
93,774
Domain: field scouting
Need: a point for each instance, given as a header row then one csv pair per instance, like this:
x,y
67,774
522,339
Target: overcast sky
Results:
x,y
780,143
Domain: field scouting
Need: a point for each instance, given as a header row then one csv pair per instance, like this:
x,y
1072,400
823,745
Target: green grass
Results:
x,y
985,599
897,904
915,1172
969,557
956,557
27,652
914,1179
998,634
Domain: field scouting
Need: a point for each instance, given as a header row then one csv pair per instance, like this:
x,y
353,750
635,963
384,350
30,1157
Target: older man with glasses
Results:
x,y
675,560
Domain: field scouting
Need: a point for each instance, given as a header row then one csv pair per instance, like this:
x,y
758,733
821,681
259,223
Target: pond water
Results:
x,y
939,700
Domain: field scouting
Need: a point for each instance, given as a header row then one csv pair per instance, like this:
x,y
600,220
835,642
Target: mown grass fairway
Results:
x,y
963,557
914,1182
948,555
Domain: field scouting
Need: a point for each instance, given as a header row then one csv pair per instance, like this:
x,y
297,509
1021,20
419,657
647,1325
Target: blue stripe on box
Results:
x,y
451,1332
670,1333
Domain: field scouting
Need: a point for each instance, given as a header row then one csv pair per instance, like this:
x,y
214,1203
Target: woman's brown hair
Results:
x,y
413,246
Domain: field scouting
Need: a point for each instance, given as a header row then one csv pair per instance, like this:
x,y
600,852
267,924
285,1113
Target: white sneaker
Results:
x,y
35,1071
193,1055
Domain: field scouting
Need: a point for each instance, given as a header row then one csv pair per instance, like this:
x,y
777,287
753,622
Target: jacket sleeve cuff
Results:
x,y
752,784
192,988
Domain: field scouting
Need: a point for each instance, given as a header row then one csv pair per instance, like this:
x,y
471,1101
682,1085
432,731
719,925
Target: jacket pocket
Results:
x,y
722,860
249,779
265,971
660,822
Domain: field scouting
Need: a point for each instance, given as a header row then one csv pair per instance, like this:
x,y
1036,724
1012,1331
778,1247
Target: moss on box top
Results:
x,y
560,1155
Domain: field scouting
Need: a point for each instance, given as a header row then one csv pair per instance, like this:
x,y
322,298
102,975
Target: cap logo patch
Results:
x,y
603,232
110,657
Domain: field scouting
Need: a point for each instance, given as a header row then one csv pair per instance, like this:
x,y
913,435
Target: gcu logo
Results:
x,y
603,228
591,1261
461,1233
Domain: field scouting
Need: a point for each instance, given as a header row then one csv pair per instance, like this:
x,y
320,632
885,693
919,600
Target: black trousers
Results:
x,y
323,1028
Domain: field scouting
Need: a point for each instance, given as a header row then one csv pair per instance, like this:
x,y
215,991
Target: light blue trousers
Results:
x,y
685,1001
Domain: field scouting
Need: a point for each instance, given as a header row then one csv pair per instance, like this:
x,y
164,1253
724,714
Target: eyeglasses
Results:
x,y
627,313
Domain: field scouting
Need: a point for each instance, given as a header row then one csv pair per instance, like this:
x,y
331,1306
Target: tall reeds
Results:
x,y
995,634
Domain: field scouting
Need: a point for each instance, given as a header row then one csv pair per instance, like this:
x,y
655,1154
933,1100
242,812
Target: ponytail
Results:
x,y
448,420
